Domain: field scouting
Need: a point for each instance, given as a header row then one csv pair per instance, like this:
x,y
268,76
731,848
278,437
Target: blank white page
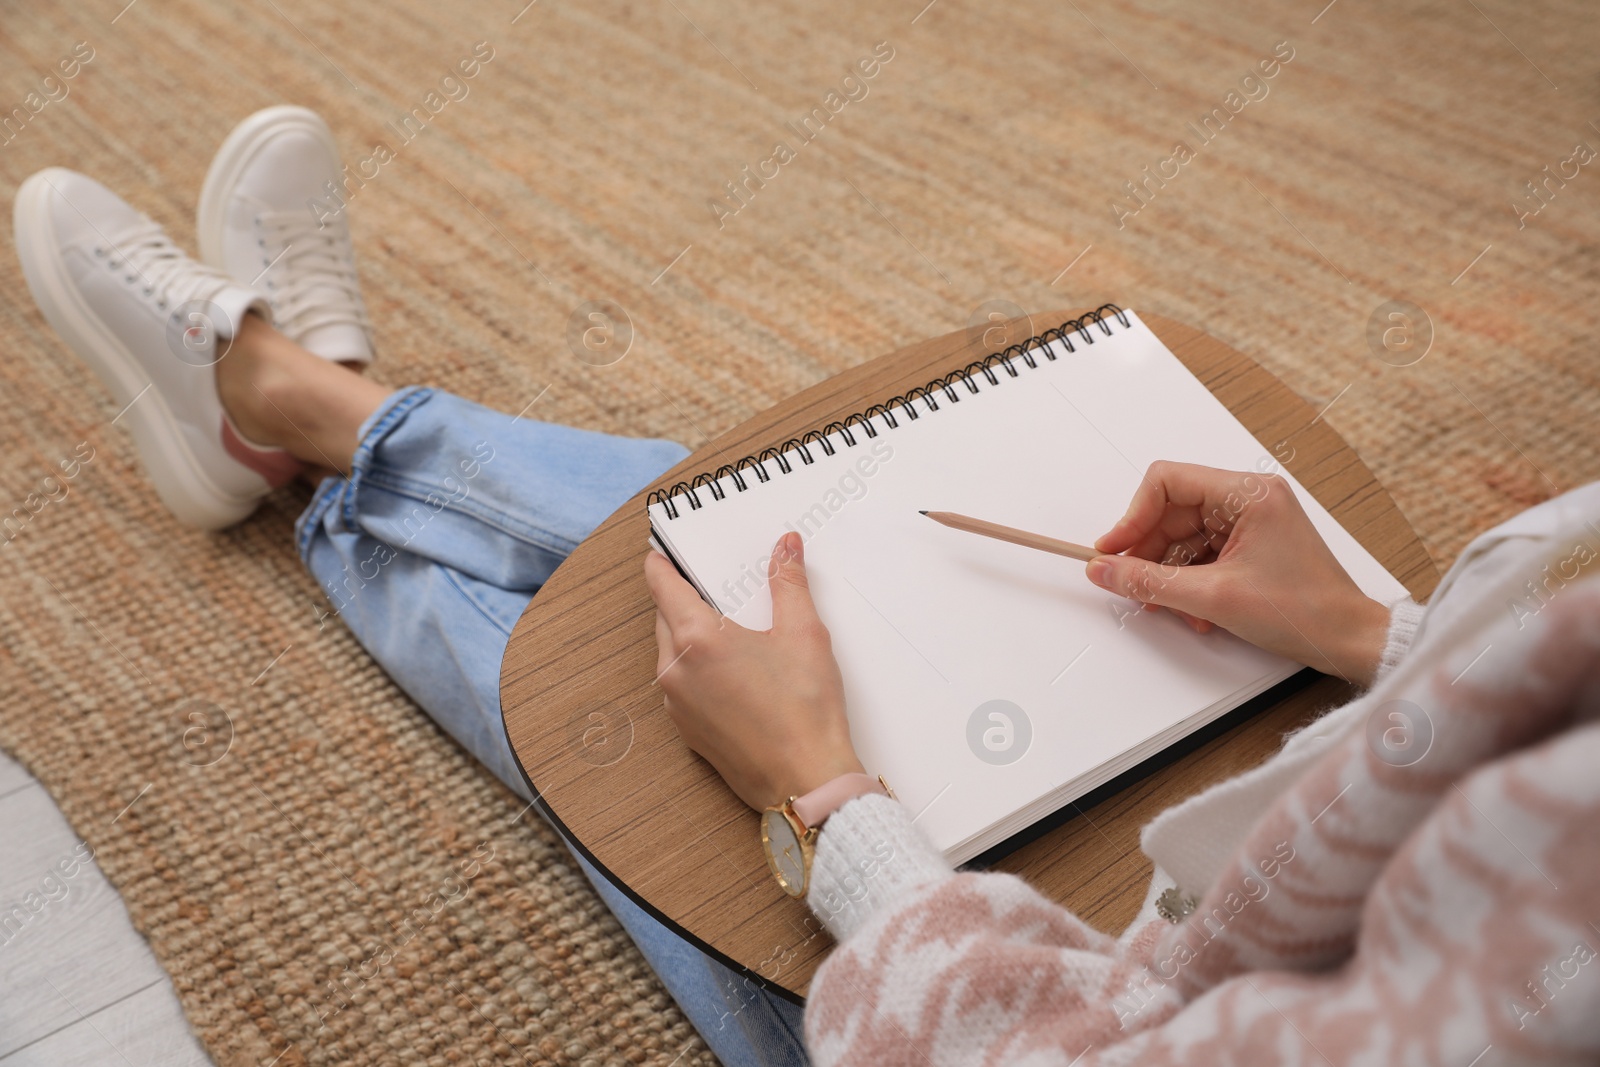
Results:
x,y
930,623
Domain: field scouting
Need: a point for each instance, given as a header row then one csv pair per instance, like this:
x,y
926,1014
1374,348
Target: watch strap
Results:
x,y
813,808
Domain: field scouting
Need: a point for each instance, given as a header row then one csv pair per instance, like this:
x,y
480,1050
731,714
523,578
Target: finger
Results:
x,y
1187,589
792,607
1180,540
1151,500
674,597
1167,485
1188,552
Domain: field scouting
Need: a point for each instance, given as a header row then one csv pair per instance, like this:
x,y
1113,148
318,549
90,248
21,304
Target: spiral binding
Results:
x,y
802,446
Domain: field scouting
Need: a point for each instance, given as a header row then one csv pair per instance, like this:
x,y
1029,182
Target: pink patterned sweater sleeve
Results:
x,y
1429,901
932,964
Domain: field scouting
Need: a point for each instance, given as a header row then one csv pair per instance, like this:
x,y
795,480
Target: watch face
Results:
x,y
784,854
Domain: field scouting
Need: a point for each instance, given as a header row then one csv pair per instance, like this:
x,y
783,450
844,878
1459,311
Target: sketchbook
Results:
x,y
992,684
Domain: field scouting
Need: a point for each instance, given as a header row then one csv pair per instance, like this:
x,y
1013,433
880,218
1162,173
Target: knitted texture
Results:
x,y
1404,615
870,858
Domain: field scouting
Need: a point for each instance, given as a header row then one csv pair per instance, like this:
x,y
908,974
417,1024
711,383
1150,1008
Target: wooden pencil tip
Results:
x,y
923,512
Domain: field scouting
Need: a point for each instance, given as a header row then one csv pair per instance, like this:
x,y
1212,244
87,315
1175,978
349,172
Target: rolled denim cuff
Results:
x,y
338,494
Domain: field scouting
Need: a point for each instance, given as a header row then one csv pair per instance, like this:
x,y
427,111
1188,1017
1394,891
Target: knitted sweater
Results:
x,y
1414,878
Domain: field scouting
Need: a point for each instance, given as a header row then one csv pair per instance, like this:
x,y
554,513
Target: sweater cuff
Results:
x,y
1404,617
870,860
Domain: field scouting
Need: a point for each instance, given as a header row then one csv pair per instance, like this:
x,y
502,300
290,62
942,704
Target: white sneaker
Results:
x,y
264,219
151,323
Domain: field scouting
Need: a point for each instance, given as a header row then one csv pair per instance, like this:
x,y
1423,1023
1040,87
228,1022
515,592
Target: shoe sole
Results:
x,y
231,159
170,464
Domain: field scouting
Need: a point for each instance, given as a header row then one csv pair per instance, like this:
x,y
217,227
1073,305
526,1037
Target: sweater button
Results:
x,y
1174,906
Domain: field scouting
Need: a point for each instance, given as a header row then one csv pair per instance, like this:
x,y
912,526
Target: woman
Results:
x,y
1344,900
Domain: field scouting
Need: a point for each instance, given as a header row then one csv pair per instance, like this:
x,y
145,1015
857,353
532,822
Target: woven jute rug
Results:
x,y
771,194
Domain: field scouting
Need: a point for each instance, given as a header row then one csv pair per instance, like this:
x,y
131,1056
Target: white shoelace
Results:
x,y
313,280
171,278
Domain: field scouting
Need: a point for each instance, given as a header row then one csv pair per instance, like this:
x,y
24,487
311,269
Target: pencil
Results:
x,y
985,528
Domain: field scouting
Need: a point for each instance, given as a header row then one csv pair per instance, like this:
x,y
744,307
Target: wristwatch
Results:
x,y
789,830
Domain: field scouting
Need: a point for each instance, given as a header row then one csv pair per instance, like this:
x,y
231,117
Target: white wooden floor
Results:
x,y
78,985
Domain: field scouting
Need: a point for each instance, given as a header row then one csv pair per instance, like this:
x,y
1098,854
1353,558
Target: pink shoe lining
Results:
x,y
274,464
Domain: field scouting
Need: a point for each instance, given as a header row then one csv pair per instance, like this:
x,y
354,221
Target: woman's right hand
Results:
x,y
1236,550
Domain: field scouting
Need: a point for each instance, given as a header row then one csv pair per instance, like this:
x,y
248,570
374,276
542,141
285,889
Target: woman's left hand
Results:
x,y
765,708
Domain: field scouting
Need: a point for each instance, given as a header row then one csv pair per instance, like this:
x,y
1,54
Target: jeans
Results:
x,y
451,519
